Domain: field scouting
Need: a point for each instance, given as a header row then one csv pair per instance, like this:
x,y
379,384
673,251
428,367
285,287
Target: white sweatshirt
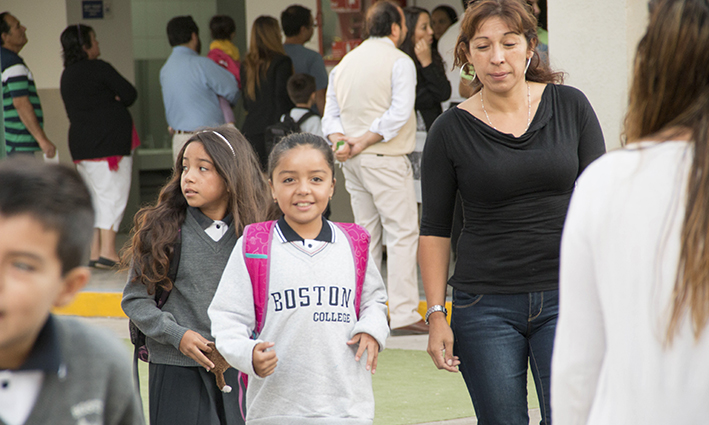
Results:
x,y
619,256
310,317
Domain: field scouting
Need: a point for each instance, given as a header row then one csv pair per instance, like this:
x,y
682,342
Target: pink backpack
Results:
x,y
257,255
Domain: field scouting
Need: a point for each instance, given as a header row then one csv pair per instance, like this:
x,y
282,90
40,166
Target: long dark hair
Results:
x,y
519,17
74,39
265,46
156,227
412,15
670,95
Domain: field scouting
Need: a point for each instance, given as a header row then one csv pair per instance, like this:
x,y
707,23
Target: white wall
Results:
x,y
595,42
150,18
256,8
114,33
42,53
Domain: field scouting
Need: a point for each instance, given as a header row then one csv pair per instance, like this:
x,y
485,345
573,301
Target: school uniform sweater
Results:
x,y
86,378
310,317
202,261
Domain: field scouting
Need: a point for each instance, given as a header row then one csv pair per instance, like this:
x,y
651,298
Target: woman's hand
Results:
x,y
264,359
423,52
440,343
192,344
366,342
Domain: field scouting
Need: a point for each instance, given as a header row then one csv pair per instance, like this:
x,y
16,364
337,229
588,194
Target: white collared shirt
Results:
x,y
216,230
18,394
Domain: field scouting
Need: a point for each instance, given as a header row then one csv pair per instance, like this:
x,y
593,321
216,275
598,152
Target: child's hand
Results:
x,y
192,344
366,342
264,361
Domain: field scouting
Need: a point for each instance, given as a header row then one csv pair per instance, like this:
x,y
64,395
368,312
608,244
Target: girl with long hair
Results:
x,y
432,86
632,339
514,151
264,76
216,189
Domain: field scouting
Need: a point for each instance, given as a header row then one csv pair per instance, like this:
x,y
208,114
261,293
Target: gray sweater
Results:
x,y
202,261
91,381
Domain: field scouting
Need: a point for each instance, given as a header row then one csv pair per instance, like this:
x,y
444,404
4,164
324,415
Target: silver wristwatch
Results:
x,y
435,308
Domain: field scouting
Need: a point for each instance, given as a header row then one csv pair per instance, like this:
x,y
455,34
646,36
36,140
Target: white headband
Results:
x,y
231,148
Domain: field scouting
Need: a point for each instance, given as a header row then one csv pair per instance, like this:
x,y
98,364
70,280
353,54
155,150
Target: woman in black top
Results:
x,y
432,86
96,98
514,151
264,75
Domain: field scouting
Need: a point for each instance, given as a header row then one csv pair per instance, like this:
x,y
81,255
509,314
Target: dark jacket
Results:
x,y
96,96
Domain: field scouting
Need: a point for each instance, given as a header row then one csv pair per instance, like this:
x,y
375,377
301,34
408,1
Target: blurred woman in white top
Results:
x,y
632,345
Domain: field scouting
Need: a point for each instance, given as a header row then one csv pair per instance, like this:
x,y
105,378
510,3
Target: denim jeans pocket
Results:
x,y
464,300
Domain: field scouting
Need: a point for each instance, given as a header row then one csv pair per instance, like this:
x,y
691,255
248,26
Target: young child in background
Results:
x,y
223,51
217,188
53,370
301,90
308,363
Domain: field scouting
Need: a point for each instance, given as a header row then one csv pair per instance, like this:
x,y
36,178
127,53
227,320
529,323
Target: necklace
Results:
x,y
529,108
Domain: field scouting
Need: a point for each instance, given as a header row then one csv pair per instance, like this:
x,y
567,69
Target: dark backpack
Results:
x,y
275,132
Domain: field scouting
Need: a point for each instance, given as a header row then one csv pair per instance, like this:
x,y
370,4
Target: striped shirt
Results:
x,y
17,81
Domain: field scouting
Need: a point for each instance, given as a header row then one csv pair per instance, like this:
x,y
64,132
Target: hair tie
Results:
x,y
227,143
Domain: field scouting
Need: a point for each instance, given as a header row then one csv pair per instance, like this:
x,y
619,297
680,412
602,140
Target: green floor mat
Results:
x,y
408,389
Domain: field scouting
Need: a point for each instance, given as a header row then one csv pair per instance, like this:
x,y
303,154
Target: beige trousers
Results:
x,y
179,140
382,194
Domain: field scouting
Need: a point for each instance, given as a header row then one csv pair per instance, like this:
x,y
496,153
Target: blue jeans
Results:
x,y
496,337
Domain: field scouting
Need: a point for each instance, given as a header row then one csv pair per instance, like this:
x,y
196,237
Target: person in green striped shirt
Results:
x,y
24,120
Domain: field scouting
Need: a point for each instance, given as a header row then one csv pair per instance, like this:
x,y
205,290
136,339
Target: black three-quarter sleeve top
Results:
x,y
100,125
515,191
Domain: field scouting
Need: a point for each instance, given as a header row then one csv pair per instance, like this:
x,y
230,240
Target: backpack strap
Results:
x,y
358,238
257,256
304,118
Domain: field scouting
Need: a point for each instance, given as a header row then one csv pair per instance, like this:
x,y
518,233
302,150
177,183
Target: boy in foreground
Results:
x,y
53,369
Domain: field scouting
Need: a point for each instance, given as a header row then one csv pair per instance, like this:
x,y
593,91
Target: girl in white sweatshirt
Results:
x,y
308,364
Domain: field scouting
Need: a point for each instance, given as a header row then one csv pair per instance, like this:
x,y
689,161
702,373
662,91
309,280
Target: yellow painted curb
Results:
x,y
108,304
94,304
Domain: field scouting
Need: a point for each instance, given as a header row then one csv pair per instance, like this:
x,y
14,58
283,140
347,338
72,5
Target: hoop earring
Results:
x,y
528,62
465,75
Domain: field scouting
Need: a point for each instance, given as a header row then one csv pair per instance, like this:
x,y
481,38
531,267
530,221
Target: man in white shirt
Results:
x,y
369,118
